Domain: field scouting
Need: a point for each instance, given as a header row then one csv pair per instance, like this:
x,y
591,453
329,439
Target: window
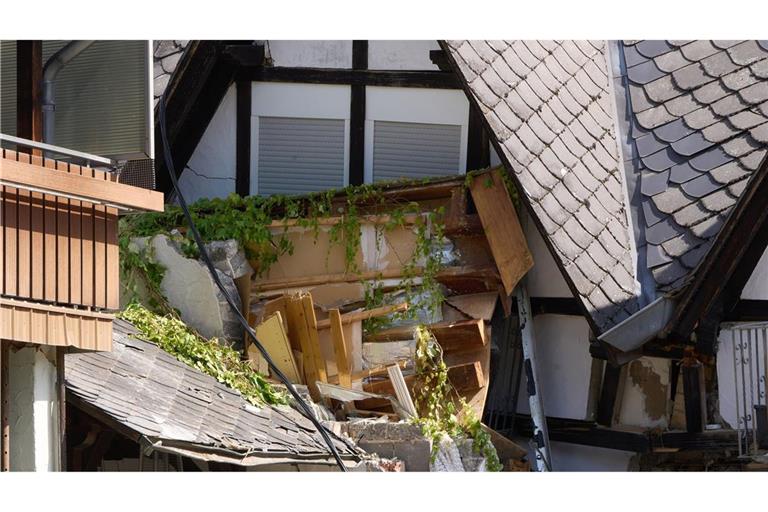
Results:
x,y
299,138
414,133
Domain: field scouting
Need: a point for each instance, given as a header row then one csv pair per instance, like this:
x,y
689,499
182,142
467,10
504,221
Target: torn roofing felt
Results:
x,y
150,392
699,127
550,107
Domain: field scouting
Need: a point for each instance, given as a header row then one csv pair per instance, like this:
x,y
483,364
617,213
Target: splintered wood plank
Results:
x,y
62,244
37,228
343,366
279,306
10,201
24,241
456,336
475,305
271,334
297,326
401,389
502,228
463,377
358,316
75,245
49,240
314,338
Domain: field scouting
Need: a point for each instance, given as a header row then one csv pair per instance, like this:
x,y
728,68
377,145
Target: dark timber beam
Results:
x,y
426,79
243,139
357,116
609,405
478,145
29,79
748,310
694,392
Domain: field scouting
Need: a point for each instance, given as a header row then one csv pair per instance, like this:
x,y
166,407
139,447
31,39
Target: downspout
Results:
x,y
50,71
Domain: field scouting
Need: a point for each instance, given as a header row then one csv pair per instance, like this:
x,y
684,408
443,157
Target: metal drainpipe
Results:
x,y
50,70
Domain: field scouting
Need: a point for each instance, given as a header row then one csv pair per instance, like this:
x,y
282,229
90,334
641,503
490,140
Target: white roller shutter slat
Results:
x,y
298,156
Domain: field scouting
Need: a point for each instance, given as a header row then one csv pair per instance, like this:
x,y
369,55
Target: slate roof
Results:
x,y
152,393
166,56
551,109
699,125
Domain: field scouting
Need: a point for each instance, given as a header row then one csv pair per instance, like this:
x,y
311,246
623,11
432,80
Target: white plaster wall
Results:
x,y
563,364
757,285
34,410
636,400
544,279
401,55
574,457
310,54
211,169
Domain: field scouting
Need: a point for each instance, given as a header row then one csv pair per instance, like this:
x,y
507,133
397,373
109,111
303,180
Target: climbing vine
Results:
x,y
209,356
434,401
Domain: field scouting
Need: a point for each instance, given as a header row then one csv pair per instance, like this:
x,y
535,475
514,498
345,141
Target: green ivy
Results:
x,y
209,356
434,403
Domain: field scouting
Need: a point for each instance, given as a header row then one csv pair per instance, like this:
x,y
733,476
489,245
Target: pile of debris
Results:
x,y
338,303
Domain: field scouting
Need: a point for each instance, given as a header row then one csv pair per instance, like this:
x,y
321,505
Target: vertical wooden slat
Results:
x,y
113,261
11,234
37,228
62,244
75,246
49,241
24,243
100,250
87,247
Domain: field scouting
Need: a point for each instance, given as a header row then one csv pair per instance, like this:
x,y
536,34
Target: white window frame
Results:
x,y
309,101
412,105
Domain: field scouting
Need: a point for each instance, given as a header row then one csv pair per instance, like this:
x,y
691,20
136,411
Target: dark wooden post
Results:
x,y
29,80
243,139
694,392
357,117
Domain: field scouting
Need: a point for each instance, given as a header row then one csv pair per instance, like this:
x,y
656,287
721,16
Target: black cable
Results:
x,y
207,260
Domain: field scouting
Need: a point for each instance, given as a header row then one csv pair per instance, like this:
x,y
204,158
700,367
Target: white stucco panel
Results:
x,y
545,278
310,54
401,55
211,168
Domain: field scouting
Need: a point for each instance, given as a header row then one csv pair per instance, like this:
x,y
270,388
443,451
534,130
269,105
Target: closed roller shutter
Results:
x,y
297,156
102,97
415,150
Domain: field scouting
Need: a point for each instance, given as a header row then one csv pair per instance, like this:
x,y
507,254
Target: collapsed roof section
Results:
x,y
550,108
145,392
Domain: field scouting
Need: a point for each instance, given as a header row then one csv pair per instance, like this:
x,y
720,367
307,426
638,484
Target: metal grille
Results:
x,y
139,173
750,360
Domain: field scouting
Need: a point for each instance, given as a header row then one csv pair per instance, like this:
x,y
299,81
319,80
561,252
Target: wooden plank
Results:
x,y
37,228
401,389
309,313
86,255
475,305
271,334
502,228
463,377
343,365
99,249
382,78
611,394
243,138
62,244
694,390
75,246
10,201
29,81
24,247
464,335
297,327
99,190
49,232
358,316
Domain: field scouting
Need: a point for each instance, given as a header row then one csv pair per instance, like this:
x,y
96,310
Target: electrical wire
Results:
x,y
207,260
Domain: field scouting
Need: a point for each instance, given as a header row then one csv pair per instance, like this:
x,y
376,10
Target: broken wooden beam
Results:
x,y
455,336
343,366
358,316
462,377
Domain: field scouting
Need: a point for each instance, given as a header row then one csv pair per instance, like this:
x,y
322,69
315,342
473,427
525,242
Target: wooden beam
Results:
x,y
243,139
358,316
478,145
748,310
611,391
439,59
357,116
27,175
464,335
29,80
418,79
695,395
244,54
340,349
401,389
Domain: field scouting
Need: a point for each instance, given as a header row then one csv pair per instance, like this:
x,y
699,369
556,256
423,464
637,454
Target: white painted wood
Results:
x,y
401,55
401,389
310,54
